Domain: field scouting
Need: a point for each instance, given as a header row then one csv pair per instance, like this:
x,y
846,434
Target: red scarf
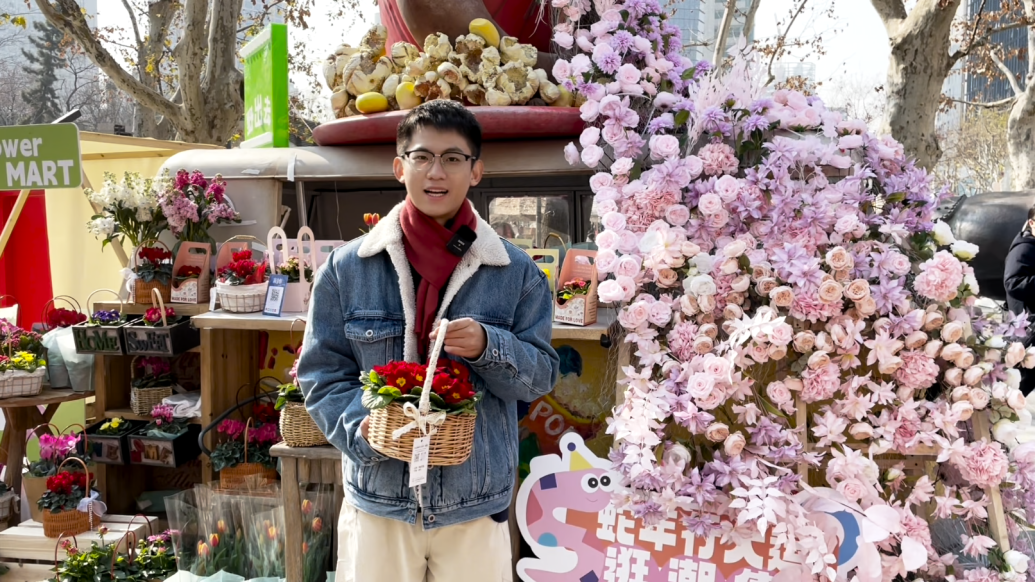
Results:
x,y
425,241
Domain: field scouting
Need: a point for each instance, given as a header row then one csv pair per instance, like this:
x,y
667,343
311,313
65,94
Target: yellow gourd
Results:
x,y
372,102
565,100
486,30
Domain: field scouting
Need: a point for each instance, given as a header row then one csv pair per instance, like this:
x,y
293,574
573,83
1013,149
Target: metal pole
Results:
x,y
303,220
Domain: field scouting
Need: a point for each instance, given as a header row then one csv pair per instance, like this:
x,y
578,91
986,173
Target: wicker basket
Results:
x,y
246,475
70,522
142,400
298,428
142,291
17,383
242,298
450,443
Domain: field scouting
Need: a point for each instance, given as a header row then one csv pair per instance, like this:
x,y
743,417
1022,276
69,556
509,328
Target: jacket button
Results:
x,y
495,353
370,333
431,519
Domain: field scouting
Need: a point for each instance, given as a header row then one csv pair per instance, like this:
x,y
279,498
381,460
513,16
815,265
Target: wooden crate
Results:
x,y
27,572
26,542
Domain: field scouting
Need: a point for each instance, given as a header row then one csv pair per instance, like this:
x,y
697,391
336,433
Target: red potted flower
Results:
x,y
241,279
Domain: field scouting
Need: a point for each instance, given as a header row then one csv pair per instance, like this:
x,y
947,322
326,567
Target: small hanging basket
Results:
x,y
101,339
239,298
142,400
71,522
142,291
49,307
171,339
246,475
298,428
451,442
19,383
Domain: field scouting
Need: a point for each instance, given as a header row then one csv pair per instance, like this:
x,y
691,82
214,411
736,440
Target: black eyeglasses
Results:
x,y
451,161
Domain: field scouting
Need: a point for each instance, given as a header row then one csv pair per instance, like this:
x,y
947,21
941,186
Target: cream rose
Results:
x,y
777,352
830,291
867,306
858,290
951,351
734,249
761,271
706,303
960,393
804,341
701,285
954,376
933,348
732,311
740,284
861,431
1014,354
1029,358
703,344
979,399
688,304
716,432
709,329
943,234
765,286
963,409
966,359
818,360
839,259
781,296
667,278
964,250
1015,399
933,320
734,444
915,340
952,332
735,298
824,343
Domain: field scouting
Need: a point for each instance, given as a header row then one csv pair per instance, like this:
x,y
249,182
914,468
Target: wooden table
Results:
x,y
22,415
300,466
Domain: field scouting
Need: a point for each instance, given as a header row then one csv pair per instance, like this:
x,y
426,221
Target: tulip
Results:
x,y
221,526
213,540
307,507
317,525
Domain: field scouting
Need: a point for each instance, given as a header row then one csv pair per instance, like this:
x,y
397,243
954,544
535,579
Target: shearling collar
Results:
x,y
487,249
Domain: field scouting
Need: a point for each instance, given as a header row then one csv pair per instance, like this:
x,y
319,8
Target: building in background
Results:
x,y
700,21
804,70
1014,44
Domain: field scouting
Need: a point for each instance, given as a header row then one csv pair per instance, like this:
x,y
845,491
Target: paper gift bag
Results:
x,y
196,290
296,296
580,309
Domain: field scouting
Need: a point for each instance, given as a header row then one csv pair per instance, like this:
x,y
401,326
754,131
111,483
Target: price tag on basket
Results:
x,y
419,462
275,295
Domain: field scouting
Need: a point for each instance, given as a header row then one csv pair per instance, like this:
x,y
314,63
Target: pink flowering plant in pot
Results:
x,y
191,204
792,303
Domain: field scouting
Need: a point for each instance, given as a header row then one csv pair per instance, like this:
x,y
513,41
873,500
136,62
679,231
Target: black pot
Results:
x,y
173,340
100,339
159,452
109,449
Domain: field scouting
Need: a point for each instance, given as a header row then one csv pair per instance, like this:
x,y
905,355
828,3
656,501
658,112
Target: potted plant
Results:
x,y
21,374
387,388
192,204
101,333
572,289
129,211
53,450
108,440
245,453
161,332
153,270
59,317
152,381
576,300
166,441
296,425
61,504
192,275
242,283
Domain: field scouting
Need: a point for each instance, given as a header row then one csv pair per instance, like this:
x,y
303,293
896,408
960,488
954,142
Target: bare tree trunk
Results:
x,y
919,64
724,32
149,53
1020,129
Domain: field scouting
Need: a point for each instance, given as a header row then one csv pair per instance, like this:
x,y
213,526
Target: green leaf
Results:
x,y
437,400
375,401
682,117
390,391
688,74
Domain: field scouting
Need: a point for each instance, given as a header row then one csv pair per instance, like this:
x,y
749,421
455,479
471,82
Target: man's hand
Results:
x,y
364,427
465,338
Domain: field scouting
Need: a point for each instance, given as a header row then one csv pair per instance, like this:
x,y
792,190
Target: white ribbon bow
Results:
x,y
423,419
93,502
428,423
130,277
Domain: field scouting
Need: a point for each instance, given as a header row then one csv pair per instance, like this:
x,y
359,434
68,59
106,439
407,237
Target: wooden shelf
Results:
x,y
47,396
128,414
190,309
220,319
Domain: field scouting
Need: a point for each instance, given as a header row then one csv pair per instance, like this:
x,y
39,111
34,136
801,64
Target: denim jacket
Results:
x,y
362,315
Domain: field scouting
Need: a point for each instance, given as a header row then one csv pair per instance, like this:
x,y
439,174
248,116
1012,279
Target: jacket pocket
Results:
x,y
374,340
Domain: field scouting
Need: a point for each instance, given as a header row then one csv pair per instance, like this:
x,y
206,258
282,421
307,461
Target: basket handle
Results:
x,y
122,304
131,550
66,298
5,296
32,432
57,545
156,295
291,331
86,470
429,376
303,232
150,530
247,427
150,245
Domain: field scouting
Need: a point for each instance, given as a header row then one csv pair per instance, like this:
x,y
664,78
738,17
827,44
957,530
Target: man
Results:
x,y
379,300
1019,280
413,20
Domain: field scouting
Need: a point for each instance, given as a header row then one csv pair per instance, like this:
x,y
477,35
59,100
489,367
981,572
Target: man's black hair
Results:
x,y
1031,212
442,115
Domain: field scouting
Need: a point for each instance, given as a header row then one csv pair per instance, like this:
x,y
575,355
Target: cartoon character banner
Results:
x,y
565,514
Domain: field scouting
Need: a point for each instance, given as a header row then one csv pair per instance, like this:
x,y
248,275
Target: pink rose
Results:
x,y
665,278
613,221
660,314
852,489
561,69
694,166
628,74
564,40
606,260
933,320
963,409
848,142
781,296
628,241
590,136
734,444
610,292
637,313
571,154
677,215
602,207
778,393
972,377
900,264
591,155
734,249
713,400
607,239
1014,354
782,334
838,259
628,266
710,204
716,432
830,291
589,111
728,188
663,147
689,250
601,180
622,166
628,285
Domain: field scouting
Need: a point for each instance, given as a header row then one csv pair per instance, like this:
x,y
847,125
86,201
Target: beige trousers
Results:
x,y
375,549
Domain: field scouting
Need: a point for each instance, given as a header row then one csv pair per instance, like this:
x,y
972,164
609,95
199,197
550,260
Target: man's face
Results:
x,y
437,186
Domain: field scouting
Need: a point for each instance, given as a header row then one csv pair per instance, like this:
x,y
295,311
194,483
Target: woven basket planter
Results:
x,y
245,476
142,400
18,383
450,445
73,523
242,298
142,291
298,428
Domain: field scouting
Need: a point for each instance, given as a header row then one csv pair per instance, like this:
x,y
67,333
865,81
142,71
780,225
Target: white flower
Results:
x,y
101,227
1005,431
700,285
1017,561
1013,378
964,250
943,234
996,342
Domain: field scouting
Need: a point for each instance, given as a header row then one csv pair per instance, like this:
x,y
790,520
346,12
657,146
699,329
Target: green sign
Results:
x,y
40,156
266,89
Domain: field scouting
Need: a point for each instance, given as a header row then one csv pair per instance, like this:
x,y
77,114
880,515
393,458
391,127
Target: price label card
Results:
x,y
275,295
419,461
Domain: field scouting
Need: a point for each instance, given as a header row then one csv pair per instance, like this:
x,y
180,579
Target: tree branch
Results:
x,y
749,18
890,11
989,105
719,53
984,39
190,56
133,22
1014,84
782,39
67,17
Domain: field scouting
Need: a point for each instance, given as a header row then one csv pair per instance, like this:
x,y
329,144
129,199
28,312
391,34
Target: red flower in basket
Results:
x,y
243,270
62,317
188,272
154,255
451,387
153,316
264,412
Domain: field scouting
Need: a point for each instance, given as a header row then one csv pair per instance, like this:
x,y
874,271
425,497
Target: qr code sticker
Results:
x,y
275,295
